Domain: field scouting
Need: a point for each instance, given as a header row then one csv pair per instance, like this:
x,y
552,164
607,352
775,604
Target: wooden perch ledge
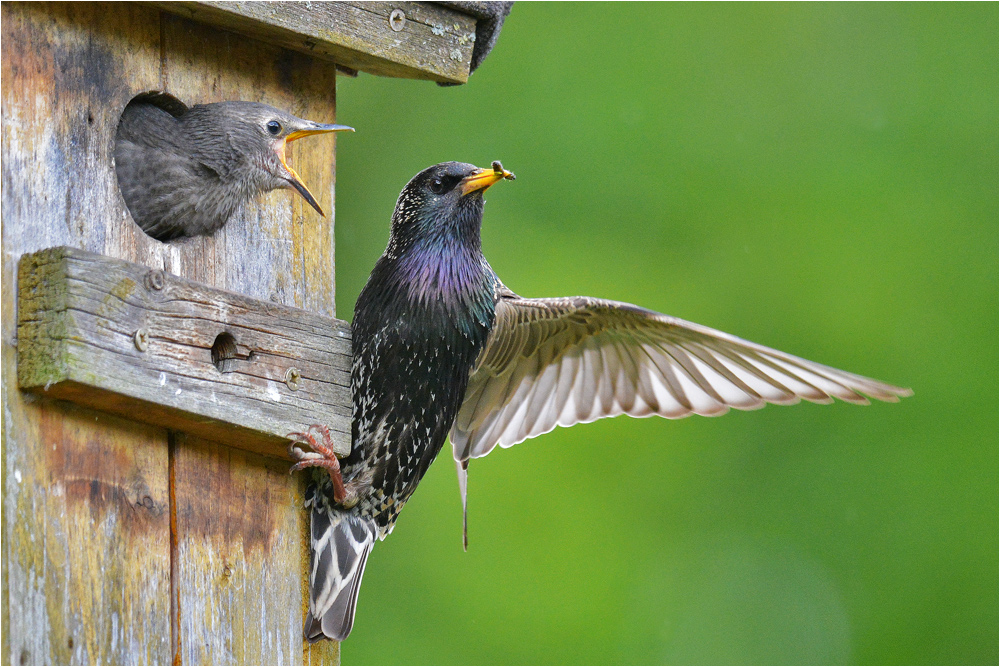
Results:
x,y
126,339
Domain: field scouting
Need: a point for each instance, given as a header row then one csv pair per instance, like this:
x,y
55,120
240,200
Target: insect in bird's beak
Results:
x,y
308,128
483,178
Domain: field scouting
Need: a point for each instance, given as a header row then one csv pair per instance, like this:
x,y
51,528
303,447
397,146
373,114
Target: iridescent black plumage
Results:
x,y
419,325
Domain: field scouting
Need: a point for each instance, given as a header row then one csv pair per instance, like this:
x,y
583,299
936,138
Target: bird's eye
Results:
x,y
274,127
437,186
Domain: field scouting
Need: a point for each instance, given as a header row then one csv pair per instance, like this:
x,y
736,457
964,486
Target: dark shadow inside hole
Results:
x,y
225,353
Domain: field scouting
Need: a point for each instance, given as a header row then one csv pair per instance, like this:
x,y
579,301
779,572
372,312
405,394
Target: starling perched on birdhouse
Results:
x,y
183,171
442,347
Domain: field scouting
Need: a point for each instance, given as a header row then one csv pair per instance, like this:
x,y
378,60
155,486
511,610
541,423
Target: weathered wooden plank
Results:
x,y
119,337
421,41
85,569
312,237
238,555
89,539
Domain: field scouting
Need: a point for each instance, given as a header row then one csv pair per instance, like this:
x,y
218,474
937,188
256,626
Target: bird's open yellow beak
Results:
x,y
294,180
481,179
317,128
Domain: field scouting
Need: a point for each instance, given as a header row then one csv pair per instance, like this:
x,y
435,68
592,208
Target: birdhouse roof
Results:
x,y
442,42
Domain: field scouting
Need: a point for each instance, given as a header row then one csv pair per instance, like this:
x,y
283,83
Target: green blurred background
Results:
x,y
821,178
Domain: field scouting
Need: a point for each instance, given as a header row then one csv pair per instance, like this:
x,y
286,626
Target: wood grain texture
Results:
x,y
92,537
237,554
80,313
434,42
68,70
86,569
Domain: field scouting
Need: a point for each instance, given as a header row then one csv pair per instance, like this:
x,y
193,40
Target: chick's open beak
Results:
x,y
316,128
293,178
481,179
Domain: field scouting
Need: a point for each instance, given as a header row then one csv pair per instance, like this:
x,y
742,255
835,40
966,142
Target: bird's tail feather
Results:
x,y
341,542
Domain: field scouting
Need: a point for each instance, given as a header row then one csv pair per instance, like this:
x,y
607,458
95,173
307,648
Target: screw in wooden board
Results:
x,y
154,279
292,378
141,339
397,19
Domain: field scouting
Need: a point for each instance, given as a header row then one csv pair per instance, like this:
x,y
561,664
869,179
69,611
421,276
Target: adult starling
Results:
x,y
441,346
184,171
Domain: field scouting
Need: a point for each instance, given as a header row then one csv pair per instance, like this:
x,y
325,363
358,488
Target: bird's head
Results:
x,y
254,137
445,200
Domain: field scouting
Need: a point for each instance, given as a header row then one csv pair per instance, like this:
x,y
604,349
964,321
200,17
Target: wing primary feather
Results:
x,y
680,354
779,393
788,379
734,391
610,372
791,376
589,383
860,383
672,383
628,375
707,355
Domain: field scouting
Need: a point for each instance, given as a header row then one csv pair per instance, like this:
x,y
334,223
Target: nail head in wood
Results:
x,y
397,19
292,378
154,279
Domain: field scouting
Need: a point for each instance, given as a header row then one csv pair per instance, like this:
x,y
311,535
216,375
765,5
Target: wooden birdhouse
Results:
x,y
148,512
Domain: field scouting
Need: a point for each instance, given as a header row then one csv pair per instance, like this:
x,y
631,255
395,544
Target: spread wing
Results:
x,y
559,362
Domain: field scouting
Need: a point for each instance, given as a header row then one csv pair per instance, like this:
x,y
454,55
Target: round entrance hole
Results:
x,y
225,352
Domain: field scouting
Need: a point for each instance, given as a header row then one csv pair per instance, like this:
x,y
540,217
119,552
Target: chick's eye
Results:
x,y
273,126
437,186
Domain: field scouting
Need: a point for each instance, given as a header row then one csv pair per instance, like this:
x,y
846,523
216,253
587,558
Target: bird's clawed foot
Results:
x,y
321,456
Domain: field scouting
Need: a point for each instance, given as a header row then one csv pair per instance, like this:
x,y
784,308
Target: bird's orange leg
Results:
x,y
321,456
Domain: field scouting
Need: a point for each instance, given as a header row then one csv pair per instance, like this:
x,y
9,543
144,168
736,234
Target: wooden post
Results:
x,y
141,525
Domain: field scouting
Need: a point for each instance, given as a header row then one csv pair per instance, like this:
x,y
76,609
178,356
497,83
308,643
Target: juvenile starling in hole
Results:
x,y
441,347
184,171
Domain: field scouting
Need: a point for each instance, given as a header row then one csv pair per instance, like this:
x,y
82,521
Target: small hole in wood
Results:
x,y
225,352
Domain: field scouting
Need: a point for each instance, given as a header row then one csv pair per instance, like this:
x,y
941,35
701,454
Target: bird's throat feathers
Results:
x,y
435,259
